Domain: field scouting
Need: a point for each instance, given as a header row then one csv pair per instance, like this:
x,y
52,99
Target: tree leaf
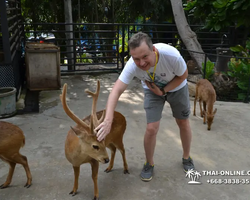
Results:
x,y
237,48
217,27
241,96
246,6
248,44
220,3
237,4
230,74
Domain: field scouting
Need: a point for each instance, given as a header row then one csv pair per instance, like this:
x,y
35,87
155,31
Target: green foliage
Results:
x,y
83,58
240,68
125,43
178,43
126,11
219,14
209,70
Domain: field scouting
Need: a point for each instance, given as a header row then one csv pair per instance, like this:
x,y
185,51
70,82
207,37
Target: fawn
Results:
x,y
11,140
82,146
206,94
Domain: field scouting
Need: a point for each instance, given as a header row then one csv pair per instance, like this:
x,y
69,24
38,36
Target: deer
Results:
x,y
206,94
11,141
82,146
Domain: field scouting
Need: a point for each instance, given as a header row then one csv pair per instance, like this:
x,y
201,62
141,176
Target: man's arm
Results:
x,y
104,128
177,80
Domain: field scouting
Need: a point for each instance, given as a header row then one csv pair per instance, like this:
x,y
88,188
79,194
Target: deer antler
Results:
x,y
76,119
95,97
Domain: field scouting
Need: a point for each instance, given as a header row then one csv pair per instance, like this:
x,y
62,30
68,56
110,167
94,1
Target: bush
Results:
x,y
239,68
209,70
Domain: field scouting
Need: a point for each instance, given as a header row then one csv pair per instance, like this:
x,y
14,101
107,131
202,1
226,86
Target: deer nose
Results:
x,y
106,160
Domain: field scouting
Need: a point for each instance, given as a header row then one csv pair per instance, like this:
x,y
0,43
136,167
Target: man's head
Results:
x,y
136,40
142,50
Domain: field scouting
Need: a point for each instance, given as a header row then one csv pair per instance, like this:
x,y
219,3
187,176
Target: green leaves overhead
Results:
x,y
220,3
219,14
91,11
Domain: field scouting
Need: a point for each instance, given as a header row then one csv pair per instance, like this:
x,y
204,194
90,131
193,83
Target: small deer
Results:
x,y
82,146
206,94
11,140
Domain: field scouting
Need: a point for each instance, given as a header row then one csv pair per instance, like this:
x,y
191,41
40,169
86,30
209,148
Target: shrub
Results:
x,y
239,68
209,70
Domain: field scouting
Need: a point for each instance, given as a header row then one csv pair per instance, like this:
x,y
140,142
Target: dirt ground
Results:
x,y
224,149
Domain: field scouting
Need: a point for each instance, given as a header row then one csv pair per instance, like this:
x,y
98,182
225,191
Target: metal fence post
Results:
x,y
5,32
205,65
123,45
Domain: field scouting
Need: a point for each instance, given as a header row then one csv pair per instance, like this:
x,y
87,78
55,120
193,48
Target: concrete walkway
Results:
x,y
224,148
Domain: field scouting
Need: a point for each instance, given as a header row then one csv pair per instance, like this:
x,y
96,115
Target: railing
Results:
x,y
11,40
100,47
89,47
230,74
103,47
11,30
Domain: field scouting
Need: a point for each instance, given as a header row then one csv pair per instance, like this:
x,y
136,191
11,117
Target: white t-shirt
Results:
x,y
170,64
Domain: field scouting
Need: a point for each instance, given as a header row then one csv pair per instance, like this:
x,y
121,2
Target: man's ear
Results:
x,y
154,49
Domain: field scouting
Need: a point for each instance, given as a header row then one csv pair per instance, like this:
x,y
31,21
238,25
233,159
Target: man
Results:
x,y
163,73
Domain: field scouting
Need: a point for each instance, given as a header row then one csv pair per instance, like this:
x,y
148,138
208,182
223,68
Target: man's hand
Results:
x,y
103,130
154,88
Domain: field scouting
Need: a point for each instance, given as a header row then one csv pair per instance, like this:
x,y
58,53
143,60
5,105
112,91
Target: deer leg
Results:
x,y
20,159
120,147
204,113
201,108
194,105
10,174
95,168
76,174
111,162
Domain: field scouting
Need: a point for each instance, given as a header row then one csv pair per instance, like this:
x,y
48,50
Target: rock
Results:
x,y
191,65
191,88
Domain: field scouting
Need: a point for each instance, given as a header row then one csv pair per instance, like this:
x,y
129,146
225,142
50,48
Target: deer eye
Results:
x,y
96,147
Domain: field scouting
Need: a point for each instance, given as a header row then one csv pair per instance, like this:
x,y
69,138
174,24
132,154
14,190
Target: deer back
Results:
x,y
206,93
117,129
11,139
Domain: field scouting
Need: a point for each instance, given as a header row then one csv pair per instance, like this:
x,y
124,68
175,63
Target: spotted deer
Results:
x,y
11,141
206,94
82,146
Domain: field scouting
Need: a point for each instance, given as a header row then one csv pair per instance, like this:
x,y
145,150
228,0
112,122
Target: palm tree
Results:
x,y
190,173
197,175
193,175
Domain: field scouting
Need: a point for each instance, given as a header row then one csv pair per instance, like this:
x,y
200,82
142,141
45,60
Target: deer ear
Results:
x,y
78,132
215,110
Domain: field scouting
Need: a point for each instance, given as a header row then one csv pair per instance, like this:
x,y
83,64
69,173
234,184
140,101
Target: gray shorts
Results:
x,y
178,100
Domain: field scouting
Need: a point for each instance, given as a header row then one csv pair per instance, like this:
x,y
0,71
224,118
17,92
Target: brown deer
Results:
x,y
82,146
11,140
206,94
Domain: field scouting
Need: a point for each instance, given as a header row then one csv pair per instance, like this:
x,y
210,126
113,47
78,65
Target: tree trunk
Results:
x,y
69,33
188,37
